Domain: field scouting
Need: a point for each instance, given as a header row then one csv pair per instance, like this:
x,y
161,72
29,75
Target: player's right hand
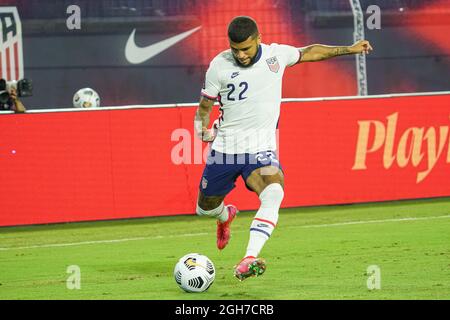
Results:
x,y
202,132
206,135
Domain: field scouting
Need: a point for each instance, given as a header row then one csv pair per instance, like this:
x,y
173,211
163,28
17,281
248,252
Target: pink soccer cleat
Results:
x,y
249,267
223,228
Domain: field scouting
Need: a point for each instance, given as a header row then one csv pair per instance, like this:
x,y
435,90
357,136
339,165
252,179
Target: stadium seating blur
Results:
x,y
51,9
96,51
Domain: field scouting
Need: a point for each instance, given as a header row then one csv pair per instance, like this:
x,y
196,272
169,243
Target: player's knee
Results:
x,y
201,210
273,194
209,202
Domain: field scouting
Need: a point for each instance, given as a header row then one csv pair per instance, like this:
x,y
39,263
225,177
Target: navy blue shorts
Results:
x,y
222,170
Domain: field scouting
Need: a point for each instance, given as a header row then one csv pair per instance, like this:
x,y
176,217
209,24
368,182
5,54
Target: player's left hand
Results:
x,y
361,46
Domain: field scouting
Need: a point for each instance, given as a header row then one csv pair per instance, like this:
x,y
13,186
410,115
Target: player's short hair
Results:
x,y
242,27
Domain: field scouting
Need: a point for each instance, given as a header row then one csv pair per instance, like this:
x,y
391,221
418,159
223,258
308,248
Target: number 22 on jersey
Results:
x,y
237,93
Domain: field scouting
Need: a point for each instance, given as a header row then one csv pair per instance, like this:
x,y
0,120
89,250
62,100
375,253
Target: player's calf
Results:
x,y
223,228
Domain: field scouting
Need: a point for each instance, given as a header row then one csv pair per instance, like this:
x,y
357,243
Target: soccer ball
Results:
x,y
194,272
86,98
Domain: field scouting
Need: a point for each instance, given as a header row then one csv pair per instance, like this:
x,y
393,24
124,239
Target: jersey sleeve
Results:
x,y
211,87
291,54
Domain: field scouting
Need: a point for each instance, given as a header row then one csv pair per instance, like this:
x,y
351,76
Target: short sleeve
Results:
x,y
211,87
291,54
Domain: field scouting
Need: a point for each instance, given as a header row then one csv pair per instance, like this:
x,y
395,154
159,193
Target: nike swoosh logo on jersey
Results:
x,y
234,74
136,55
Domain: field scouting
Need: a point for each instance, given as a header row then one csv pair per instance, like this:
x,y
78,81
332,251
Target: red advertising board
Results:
x,y
110,164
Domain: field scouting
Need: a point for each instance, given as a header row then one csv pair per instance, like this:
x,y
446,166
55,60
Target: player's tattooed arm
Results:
x,y
319,52
202,118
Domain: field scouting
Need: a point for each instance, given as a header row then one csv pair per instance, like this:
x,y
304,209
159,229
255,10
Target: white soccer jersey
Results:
x,y
250,98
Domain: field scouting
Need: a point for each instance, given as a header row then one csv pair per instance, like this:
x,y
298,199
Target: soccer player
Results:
x,y
246,80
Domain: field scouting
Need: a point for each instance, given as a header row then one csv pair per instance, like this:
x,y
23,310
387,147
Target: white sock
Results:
x,y
265,219
221,212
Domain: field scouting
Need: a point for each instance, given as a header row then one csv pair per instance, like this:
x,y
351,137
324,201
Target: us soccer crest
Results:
x,y
273,64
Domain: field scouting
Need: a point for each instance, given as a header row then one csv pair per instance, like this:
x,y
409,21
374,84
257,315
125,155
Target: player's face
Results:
x,y
245,51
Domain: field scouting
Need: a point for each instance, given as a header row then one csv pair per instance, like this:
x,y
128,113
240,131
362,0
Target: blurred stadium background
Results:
x,y
118,162
60,60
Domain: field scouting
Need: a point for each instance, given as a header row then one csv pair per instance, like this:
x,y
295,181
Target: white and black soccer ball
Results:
x,y
86,98
194,272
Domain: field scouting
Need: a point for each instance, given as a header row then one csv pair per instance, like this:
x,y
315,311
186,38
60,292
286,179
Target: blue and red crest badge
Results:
x,y
273,64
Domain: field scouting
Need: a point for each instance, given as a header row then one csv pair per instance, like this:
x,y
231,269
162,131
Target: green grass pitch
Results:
x,y
314,253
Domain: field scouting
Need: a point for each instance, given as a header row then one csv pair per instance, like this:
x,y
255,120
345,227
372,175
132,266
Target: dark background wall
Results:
x,y
411,50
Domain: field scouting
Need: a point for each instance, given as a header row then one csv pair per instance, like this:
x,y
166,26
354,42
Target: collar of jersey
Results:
x,y
258,54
